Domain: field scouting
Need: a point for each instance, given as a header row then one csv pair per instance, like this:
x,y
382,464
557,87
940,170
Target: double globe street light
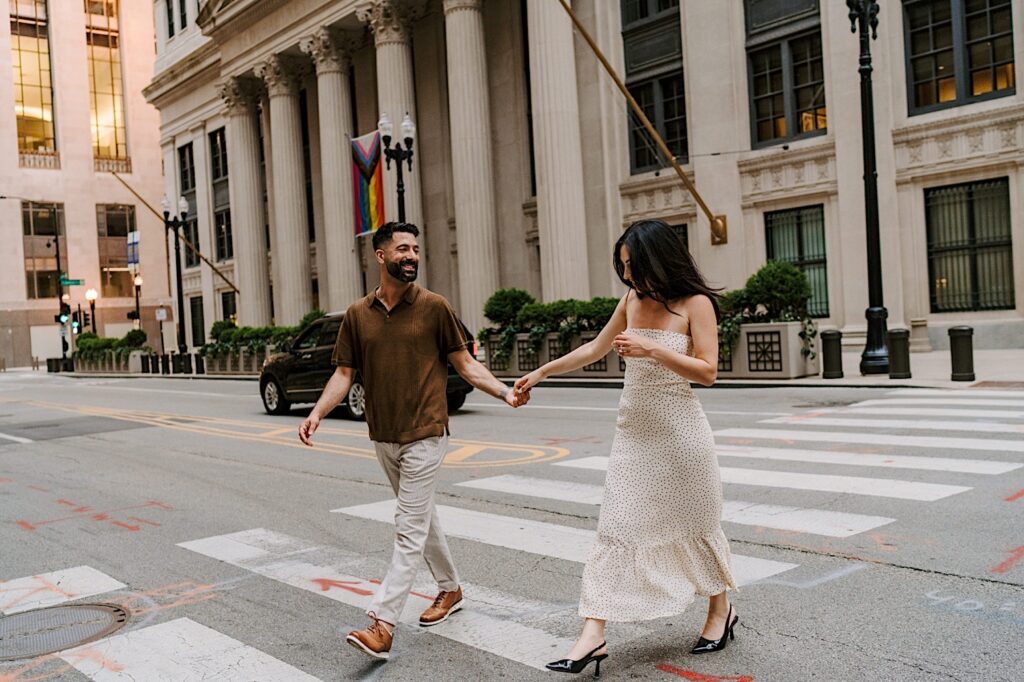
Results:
x,y
398,154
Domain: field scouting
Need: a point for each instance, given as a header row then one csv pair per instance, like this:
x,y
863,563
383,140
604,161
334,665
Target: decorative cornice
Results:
x,y
452,6
330,49
282,74
241,95
390,20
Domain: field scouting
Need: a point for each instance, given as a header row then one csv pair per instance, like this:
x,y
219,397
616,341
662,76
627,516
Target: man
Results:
x,y
400,339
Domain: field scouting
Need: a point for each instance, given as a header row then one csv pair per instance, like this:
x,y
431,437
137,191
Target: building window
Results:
x,y
787,74
33,85
958,51
221,195
653,48
183,13
42,229
187,181
170,18
198,323
106,91
970,255
113,223
228,306
798,236
683,231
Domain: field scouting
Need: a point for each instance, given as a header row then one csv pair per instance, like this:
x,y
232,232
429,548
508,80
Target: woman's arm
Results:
x,y
702,368
591,351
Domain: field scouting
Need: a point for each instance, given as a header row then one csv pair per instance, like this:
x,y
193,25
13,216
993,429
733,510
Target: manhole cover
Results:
x,y
44,631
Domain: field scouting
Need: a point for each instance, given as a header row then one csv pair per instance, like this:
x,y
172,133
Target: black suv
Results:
x,y
300,371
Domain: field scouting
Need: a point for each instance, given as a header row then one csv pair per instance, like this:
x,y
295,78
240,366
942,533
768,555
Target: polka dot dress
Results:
x,y
659,535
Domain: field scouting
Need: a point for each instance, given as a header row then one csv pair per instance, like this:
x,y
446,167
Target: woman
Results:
x,y
659,535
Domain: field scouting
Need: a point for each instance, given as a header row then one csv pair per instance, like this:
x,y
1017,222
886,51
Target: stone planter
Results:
x,y
241,363
768,350
524,359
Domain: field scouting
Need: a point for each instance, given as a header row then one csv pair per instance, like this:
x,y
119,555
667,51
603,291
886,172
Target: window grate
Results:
x,y
764,351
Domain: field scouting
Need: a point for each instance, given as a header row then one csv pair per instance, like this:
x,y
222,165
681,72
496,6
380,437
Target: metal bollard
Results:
x,y
899,353
832,354
165,364
145,363
186,363
961,353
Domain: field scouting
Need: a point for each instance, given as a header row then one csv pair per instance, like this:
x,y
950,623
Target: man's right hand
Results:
x,y
308,428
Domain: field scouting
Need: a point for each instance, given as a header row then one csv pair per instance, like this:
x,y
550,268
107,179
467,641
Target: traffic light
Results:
x,y
132,315
65,314
76,324
86,319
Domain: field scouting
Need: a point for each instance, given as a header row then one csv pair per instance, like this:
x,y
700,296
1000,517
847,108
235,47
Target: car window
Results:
x,y
329,333
308,338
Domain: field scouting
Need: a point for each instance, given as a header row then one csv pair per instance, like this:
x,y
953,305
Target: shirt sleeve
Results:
x,y
346,350
451,337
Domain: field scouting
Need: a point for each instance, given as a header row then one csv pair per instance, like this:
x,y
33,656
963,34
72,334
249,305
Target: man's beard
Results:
x,y
396,270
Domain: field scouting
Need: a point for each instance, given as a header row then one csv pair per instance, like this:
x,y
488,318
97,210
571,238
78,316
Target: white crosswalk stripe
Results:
x,y
538,537
854,485
487,622
813,521
997,445
911,424
869,459
888,411
973,402
53,588
967,393
180,650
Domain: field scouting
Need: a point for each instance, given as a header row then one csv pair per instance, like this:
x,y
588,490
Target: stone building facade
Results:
x,y
528,164
71,79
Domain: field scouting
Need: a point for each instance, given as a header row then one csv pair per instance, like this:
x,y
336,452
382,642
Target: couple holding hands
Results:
x,y
659,537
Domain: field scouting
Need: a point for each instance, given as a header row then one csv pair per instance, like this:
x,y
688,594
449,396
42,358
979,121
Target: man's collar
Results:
x,y
410,296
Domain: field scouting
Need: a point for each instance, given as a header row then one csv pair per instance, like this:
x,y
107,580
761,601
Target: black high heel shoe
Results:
x,y
707,646
567,665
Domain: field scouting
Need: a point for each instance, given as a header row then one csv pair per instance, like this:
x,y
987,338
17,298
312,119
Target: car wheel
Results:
x,y
274,401
355,404
455,402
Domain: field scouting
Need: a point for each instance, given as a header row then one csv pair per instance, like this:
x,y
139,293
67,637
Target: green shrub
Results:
x,y
778,292
310,317
136,338
219,327
504,305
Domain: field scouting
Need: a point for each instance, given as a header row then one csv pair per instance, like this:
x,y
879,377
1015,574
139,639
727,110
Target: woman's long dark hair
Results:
x,y
660,264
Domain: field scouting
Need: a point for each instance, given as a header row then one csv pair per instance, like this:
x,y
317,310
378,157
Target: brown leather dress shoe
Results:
x,y
445,604
373,641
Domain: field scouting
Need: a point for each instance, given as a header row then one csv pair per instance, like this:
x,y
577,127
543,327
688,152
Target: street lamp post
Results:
x,y
875,358
91,296
398,154
60,298
173,224
138,290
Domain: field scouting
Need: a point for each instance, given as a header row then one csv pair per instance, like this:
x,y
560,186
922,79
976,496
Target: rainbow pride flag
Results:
x,y
368,183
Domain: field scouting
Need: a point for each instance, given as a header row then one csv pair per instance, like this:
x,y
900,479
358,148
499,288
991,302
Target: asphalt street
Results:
x,y
877,534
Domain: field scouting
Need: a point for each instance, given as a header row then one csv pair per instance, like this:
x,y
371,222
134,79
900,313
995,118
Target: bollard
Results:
x,y
961,353
165,364
177,366
145,363
898,341
832,354
200,364
186,363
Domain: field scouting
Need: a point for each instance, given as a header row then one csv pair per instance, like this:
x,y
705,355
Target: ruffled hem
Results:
x,y
625,583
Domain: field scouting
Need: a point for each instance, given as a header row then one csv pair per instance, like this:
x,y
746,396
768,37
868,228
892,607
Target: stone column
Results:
x,y
561,216
251,276
342,282
292,272
390,22
469,118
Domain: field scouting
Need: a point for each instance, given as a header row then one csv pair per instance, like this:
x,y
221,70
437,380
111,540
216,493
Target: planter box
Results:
x,y
771,350
524,359
241,363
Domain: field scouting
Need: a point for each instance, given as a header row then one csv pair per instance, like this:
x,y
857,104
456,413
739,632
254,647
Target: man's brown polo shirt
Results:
x,y
402,356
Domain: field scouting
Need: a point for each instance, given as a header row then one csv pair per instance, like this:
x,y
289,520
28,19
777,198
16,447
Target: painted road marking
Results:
x,y
877,439
852,485
866,459
538,537
994,402
930,412
487,622
813,521
964,393
584,408
912,424
15,439
57,587
181,650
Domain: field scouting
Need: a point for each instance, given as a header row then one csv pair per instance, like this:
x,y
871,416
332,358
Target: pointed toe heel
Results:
x,y
567,665
708,646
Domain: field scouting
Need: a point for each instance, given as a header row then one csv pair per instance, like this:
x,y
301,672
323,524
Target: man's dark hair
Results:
x,y
385,232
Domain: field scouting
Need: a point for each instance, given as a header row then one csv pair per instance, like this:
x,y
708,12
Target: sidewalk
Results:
x,y
994,369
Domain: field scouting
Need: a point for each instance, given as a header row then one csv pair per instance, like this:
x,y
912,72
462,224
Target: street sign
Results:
x,y
161,314
65,282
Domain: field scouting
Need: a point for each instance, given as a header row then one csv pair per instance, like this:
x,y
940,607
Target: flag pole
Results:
x,y
719,226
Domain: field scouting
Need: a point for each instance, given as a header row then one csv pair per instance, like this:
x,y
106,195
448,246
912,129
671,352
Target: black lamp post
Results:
x,y
91,296
173,224
138,290
398,154
875,358
63,308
